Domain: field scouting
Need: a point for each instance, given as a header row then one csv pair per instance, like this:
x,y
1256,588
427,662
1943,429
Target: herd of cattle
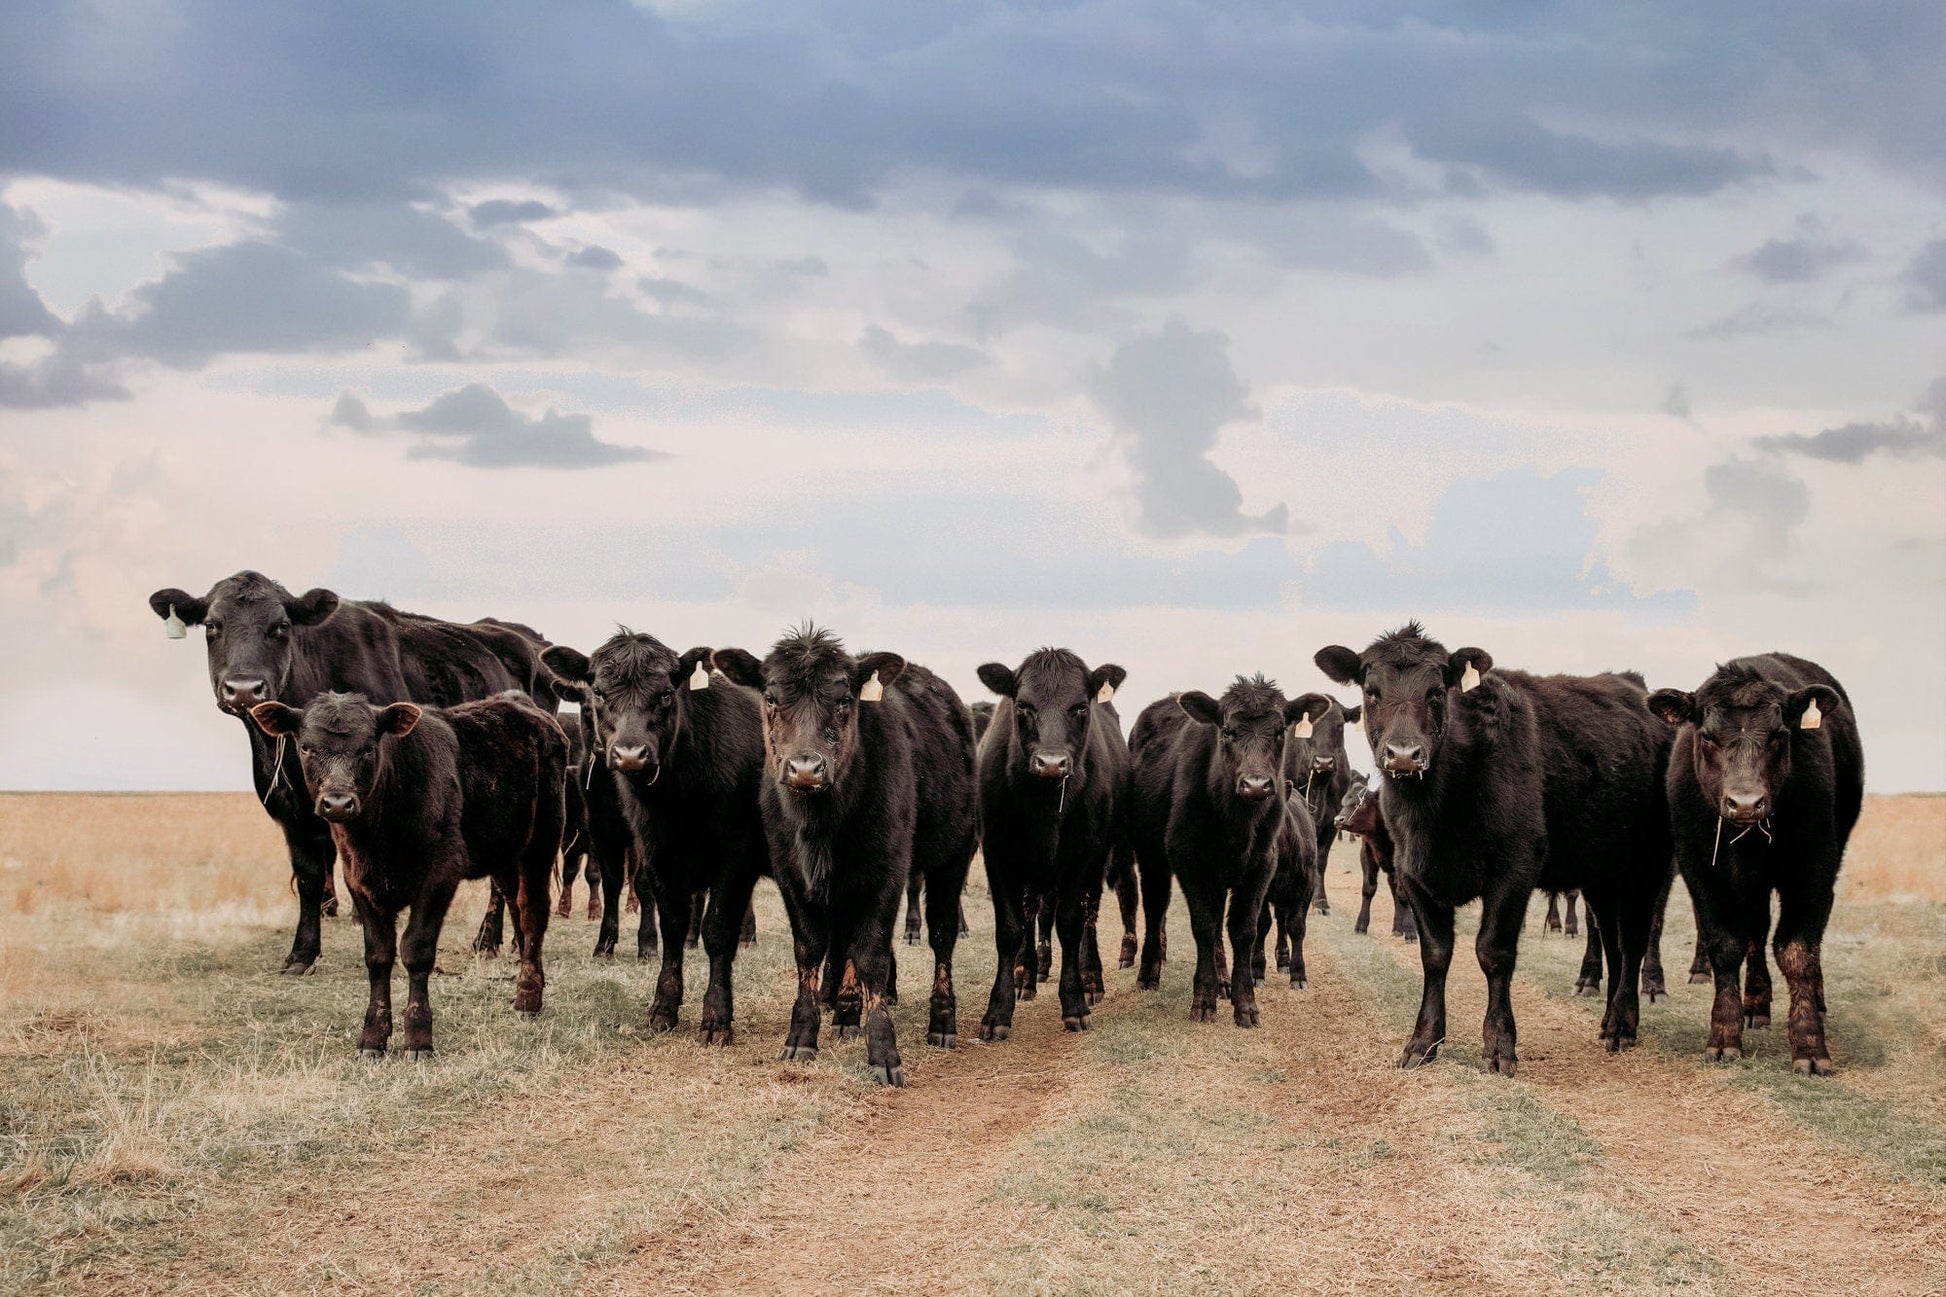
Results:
x,y
420,753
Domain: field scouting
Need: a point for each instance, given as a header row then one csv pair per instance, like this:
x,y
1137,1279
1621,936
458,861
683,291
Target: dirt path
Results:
x,y
1785,1210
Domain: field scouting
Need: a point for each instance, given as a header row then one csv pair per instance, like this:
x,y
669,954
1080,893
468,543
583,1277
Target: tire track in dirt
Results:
x,y
1781,1207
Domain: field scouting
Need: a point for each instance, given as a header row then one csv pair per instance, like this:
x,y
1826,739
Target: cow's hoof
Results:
x,y
911,938
330,908
1247,1017
995,1031
1075,1024
660,1023
892,1076
1701,979
719,1036
1148,983
800,1054
848,1031
1202,1013
1092,998
1502,1066
943,1039
527,1014
1752,1020
1417,1055
295,967
417,1055
1587,988
1284,960
369,1053
1297,981
1811,1066
1722,1053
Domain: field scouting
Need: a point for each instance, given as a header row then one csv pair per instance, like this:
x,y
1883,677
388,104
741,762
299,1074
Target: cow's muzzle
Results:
x,y
1405,760
1254,788
337,808
807,772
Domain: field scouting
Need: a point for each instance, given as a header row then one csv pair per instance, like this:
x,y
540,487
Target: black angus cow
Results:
x,y
1360,819
1054,793
870,776
1288,899
1208,812
1765,785
1498,783
1588,980
419,799
686,763
1316,761
265,644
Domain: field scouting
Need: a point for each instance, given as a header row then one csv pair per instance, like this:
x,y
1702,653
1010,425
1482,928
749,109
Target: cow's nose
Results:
x,y
1405,758
628,756
337,806
1323,764
1052,765
1254,787
805,770
243,693
1745,807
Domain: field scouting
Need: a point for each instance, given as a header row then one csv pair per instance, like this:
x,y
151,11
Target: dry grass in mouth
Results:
x,y
168,1104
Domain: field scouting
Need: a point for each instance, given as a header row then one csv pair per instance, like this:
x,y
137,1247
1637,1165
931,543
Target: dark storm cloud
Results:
x,y
475,426
361,100
1168,394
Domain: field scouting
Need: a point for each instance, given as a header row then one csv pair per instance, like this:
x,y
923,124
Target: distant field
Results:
x,y
174,1116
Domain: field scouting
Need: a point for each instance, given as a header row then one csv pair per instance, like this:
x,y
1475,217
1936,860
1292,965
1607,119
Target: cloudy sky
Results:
x,y
1193,337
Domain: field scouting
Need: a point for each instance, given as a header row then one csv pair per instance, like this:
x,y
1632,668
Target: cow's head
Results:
x,y
341,744
1251,719
1744,726
1053,694
1359,814
635,690
248,621
1407,678
811,690
1318,734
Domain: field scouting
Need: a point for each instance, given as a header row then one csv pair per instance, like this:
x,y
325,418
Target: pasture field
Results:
x,y
175,1116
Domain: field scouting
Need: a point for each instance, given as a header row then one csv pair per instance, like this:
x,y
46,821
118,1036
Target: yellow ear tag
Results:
x,y
1812,718
699,678
1106,693
1302,729
172,625
1469,679
873,690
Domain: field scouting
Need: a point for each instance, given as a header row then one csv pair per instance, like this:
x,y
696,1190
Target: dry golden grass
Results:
x,y
168,1106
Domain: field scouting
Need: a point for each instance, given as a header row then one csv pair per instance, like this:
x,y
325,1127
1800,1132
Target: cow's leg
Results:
x,y
943,908
1803,911
1044,955
871,959
1756,980
1068,907
573,855
1699,965
1435,923
1368,888
1720,916
312,856
1552,923
1282,950
1623,918
1653,982
698,902
1573,896
729,898
381,952
328,903
1155,910
649,910
530,901
591,874
1259,941
1090,953
848,1002
673,907
1009,923
1502,912
1588,980
912,886
487,941
1205,922
809,942
747,934
1246,928
1127,894
1027,973
421,948
1300,921
614,871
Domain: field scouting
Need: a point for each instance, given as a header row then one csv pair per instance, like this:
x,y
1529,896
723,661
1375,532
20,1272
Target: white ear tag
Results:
x,y
1469,679
1812,718
1106,693
873,690
699,678
1302,729
172,625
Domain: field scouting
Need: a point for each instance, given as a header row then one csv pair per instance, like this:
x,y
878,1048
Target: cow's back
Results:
x,y
512,758
944,758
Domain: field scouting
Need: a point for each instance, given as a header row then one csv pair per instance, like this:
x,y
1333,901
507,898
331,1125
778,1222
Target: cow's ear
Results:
x,y
1340,664
1807,708
1674,706
686,667
999,677
1107,677
1353,713
569,666
886,666
1314,706
399,719
738,667
187,606
1465,667
277,719
311,607
1199,706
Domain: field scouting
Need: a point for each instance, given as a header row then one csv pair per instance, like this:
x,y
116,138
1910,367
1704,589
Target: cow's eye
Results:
x,y
280,630
663,699
770,701
1026,712
1078,711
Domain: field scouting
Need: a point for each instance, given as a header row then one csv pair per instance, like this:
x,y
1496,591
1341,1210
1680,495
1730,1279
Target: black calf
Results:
x,y
1316,762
